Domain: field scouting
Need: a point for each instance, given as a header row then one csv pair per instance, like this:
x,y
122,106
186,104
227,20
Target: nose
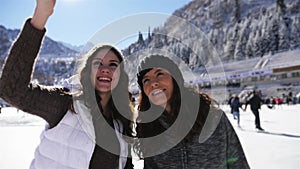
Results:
x,y
154,83
103,69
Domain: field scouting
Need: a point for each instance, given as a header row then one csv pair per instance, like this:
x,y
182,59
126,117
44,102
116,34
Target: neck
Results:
x,y
104,101
168,108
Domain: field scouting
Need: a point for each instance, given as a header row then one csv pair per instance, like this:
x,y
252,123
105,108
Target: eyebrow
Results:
x,y
158,70
112,60
97,59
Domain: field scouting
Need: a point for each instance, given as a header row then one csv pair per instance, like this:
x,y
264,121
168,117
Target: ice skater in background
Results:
x,y
255,102
235,106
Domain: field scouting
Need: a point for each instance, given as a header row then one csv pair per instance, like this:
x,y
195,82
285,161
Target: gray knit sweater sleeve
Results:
x,y
50,103
221,149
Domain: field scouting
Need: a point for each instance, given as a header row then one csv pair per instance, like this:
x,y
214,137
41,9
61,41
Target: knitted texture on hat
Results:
x,y
159,61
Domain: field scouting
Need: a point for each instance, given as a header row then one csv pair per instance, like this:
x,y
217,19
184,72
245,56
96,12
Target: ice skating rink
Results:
x,y
276,148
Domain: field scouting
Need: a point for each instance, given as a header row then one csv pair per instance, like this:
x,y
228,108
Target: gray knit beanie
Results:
x,y
159,61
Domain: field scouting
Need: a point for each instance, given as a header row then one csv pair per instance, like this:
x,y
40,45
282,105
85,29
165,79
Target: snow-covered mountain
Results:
x,y
205,34
236,29
199,34
73,47
56,59
50,48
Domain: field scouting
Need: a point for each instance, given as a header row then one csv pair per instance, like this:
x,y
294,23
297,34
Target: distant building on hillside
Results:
x,y
281,68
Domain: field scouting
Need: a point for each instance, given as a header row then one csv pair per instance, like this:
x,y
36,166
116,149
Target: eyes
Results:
x,y
157,76
97,64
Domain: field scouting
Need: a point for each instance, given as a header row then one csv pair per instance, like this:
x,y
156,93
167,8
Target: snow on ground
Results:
x,y
276,148
19,135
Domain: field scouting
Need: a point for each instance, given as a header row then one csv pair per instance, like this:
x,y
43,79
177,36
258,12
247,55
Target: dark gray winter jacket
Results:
x,y
216,147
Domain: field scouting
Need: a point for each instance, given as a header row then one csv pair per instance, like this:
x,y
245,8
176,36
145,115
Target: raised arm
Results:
x,y
50,103
44,9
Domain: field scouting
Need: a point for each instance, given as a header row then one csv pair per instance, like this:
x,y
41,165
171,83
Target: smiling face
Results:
x,y
105,71
158,86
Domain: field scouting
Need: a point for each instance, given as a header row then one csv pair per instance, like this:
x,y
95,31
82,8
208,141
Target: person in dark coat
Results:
x,y
255,102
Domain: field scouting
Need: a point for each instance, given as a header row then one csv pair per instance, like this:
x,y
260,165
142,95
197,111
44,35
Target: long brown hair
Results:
x,y
92,99
181,101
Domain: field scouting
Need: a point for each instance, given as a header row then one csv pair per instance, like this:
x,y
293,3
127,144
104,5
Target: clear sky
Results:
x,y
75,21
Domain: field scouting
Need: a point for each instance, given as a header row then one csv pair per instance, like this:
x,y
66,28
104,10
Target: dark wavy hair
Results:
x,y
92,99
181,101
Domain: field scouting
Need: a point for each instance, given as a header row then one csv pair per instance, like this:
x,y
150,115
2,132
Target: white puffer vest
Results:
x,y
71,143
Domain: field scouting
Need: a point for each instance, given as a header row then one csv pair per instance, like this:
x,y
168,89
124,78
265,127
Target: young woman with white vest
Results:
x,y
86,129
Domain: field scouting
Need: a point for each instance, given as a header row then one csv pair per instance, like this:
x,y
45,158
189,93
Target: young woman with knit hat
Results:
x,y
178,127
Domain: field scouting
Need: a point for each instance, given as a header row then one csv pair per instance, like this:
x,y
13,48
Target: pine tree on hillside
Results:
x,y
237,11
284,36
232,36
258,44
273,35
280,6
295,31
240,51
249,48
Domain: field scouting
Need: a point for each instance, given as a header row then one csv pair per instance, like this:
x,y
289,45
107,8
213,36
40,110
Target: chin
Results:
x,y
159,103
104,90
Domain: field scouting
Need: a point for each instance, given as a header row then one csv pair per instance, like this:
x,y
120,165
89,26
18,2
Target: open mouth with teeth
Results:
x,y
158,97
104,79
157,92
